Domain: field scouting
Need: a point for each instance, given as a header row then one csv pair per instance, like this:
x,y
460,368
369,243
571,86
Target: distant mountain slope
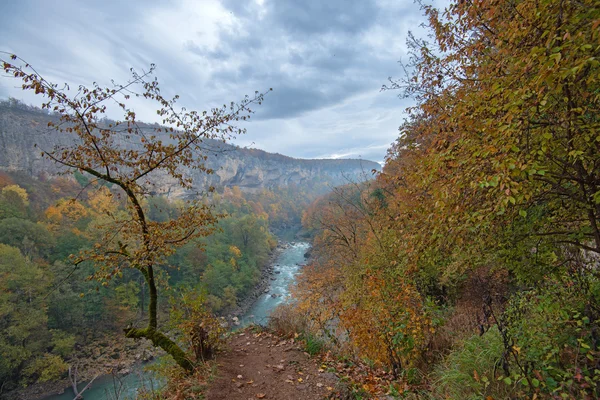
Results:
x,y
24,132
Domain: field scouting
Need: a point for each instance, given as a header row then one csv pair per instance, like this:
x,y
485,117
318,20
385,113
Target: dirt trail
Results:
x,y
264,366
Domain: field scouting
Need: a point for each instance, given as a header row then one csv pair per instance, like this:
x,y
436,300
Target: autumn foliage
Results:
x,y
485,219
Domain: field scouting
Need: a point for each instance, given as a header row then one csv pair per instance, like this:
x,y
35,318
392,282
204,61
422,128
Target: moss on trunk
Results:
x,y
159,339
151,333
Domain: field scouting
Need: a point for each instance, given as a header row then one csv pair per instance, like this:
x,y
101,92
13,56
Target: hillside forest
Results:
x,y
466,269
51,306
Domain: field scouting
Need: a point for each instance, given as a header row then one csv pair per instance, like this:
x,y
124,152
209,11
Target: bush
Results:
x,y
48,367
286,321
200,329
555,342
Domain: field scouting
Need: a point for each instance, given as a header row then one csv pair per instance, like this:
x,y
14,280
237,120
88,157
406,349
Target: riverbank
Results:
x,y
105,355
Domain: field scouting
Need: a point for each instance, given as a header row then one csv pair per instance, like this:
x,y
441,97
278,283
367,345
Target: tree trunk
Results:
x,y
151,333
159,339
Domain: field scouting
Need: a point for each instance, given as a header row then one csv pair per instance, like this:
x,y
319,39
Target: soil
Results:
x,y
264,366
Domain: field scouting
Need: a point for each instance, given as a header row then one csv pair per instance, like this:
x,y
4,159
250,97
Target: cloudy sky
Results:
x,y
326,60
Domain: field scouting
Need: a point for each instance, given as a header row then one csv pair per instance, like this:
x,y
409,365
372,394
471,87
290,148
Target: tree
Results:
x,y
498,169
31,238
507,116
487,208
14,201
128,155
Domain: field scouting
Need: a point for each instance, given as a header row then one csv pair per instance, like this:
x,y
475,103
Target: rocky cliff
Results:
x,y
24,133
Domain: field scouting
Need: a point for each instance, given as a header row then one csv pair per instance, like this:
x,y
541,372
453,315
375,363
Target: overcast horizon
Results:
x,y
326,61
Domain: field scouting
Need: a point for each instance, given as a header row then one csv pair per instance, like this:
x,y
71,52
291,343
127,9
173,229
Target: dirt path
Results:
x,y
264,366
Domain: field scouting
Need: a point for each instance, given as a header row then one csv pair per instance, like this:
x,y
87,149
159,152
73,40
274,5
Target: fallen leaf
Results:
x,y
299,379
250,382
260,395
319,385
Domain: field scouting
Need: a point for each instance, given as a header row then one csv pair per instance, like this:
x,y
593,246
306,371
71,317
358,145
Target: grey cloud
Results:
x,y
288,100
305,48
319,57
313,17
218,55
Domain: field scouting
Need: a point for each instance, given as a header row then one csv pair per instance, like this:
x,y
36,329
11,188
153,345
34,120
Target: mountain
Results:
x,y
24,133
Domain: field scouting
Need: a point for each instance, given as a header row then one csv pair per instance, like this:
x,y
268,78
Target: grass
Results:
x,y
312,344
469,372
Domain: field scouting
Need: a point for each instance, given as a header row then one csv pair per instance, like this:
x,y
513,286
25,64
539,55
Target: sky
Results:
x,y
326,61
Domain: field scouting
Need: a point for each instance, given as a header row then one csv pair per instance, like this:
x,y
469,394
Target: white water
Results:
x,y
285,269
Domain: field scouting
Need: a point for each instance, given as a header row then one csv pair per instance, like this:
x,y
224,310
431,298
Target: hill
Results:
x,y
24,133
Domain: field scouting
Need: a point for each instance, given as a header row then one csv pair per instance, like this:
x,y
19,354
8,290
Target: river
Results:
x,y
285,268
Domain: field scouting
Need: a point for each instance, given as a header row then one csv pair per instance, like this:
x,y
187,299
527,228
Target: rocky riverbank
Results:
x,y
105,355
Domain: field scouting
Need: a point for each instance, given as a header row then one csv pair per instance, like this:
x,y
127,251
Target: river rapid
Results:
x,y
285,268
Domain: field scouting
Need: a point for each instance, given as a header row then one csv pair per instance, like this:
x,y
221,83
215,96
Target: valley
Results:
x,y
463,264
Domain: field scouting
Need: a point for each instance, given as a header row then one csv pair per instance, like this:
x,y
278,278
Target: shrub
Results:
x,y
200,329
287,321
554,348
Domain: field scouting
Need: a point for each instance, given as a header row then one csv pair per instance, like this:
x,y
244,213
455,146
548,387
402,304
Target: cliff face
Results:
x,y
24,133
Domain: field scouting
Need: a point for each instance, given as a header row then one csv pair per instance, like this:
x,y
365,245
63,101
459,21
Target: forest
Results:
x,y
468,268
49,308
